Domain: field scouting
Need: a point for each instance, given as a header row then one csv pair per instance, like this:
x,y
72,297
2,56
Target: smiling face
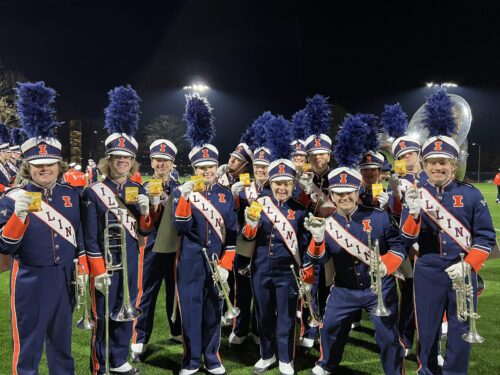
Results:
x,y
345,202
209,173
44,174
120,165
319,162
370,175
440,170
282,190
298,160
161,167
261,172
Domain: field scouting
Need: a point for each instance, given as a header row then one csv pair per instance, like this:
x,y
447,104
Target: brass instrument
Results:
x,y
81,299
465,303
375,278
305,295
115,241
232,312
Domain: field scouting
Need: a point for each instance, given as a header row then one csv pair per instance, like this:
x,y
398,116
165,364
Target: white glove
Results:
x,y
383,200
457,271
307,287
186,188
21,206
223,169
305,180
100,282
143,202
237,188
382,269
224,274
250,221
395,184
412,200
154,200
316,226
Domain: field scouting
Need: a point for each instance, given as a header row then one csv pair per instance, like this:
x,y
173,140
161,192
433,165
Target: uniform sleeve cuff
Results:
x,y
14,228
410,227
316,250
97,266
145,222
227,259
391,261
83,265
308,274
183,210
250,232
476,258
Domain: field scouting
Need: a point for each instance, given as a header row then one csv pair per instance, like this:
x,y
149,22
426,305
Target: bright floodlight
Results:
x,y
449,84
197,87
430,84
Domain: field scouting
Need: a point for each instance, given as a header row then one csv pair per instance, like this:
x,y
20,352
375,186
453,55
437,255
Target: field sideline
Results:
x,y
360,355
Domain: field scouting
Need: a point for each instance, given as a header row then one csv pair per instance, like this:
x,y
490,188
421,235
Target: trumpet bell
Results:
x,y
85,324
232,313
127,313
473,338
381,310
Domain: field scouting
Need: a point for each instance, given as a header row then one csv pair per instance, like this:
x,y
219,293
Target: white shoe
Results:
x,y
286,368
355,325
305,342
318,370
177,339
407,352
126,367
218,370
440,360
256,339
263,365
138,348
444,329
185,371
236,340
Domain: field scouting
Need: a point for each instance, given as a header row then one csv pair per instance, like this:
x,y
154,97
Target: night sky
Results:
x,y
259,55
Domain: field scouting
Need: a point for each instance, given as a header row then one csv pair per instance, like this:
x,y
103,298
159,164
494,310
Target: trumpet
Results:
x,y
81,299
305,295
115,241
222,287
465,303
375,278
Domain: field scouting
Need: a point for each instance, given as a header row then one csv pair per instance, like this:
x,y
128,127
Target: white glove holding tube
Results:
x,y
224,274
383,200
237,188
186,188
316,226
143,202
101,281
412,200
21,206
250,221
154,200
305,181
456,271
395,185
382,269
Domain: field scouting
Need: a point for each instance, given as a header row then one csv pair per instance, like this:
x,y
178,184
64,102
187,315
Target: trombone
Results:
x,y
222,287
375,278
81,298
115,241
465,303
306,297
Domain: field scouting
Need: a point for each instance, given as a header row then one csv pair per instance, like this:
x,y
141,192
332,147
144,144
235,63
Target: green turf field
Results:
x,y
360,355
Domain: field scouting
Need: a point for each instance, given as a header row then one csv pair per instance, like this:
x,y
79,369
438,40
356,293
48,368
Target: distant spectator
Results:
x,y
497,183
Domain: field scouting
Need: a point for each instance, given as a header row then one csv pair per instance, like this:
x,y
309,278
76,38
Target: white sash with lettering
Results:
x,y
282,225
210,213
350,243
108,198
4,171
54,219
445,220
251,192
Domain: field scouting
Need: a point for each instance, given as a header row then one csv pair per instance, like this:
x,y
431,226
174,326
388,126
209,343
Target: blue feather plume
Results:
x,y
122,113
199,119
349,150
318,115
438,115
371,141
4,134
34,106
17,137
279,138
255,134
300,125
394,120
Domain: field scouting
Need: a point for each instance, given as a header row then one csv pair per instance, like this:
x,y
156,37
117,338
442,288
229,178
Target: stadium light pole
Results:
x,y
478,159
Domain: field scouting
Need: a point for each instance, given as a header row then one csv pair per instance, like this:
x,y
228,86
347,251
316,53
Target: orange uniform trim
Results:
x,y
411,227
391,261
146,222
316,250
83,265
97,266
250,232
476,258
140,291
15,331
227,259
308,274
14,228
183,209
2,188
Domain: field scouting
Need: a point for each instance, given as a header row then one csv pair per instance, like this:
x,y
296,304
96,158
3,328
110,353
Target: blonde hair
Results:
x,y
25,174
105,168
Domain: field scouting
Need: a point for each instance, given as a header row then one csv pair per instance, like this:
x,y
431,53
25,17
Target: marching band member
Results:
x,y
447,219
279,240
5,171
346,241
17,138
239,161
92,171
158,267
44,242
206,222
115,192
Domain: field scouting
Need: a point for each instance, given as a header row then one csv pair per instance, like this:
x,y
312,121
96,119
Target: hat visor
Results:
x,y
206,163
406,151
370,166
260,162
121,153
439,156
319,151
281,178
44,161
343,189
161,156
